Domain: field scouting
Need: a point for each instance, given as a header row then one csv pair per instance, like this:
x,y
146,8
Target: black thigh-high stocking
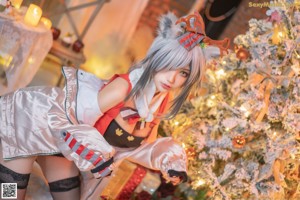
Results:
x,y
62,175
9,176
65,189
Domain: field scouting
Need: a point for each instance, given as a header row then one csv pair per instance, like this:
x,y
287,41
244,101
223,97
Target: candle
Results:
x,y
16,3
33,15
47,23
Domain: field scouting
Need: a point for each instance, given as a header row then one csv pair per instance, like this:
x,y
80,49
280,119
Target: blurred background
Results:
x,y
120,32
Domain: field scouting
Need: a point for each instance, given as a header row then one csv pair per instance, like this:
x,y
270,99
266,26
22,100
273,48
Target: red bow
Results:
x,y
130,114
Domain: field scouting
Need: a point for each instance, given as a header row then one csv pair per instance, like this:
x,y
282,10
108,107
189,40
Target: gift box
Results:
x,y
131,180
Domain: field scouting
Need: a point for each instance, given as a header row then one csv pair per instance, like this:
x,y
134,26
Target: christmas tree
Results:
x,y
242,137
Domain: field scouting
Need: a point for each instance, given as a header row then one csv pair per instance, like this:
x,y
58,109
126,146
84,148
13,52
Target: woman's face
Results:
x,y
168,80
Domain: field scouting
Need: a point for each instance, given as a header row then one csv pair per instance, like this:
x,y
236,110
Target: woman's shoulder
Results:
x,y
118,84
113,93
122,80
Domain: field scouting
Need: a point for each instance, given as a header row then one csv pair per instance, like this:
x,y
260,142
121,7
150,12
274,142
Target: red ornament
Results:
x,y
191,153
77,46
55,33
242,54
239,141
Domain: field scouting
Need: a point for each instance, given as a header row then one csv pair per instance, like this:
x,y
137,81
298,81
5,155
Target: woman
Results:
x,y
97,125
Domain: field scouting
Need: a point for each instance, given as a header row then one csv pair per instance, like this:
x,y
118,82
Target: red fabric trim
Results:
x,y
89,155
163,105
186,37
80,149
67,136
191,41
97,161
103,122
72,143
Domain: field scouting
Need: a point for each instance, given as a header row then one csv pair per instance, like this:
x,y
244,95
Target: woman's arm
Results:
x,y
90,146
112,94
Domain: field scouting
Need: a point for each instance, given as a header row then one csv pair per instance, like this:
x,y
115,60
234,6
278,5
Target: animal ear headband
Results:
x,y
192,32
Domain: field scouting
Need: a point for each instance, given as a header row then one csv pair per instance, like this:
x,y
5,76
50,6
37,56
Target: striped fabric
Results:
x,y
87,154
189,40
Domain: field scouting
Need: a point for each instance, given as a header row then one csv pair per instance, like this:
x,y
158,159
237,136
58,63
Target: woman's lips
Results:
x,y
165,86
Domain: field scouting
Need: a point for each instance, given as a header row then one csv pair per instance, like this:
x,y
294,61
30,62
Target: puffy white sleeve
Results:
x,y
164,154
80,143
71,117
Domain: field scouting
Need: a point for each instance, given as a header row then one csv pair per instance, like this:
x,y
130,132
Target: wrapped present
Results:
x,y
129,180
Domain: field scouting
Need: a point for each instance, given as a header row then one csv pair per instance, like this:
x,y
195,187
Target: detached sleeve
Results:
x,y
80,143
164,154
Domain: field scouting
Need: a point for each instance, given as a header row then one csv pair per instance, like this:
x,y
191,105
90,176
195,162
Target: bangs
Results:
x,y
169,55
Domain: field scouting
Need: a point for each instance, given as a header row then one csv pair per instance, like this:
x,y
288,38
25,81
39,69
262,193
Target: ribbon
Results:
x,y
195,34
132,116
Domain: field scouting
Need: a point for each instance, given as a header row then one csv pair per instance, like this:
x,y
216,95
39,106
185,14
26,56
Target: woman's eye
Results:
x,y
184,74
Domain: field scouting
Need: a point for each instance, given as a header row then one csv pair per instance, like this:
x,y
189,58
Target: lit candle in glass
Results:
x,y
33,15
47,23
16,3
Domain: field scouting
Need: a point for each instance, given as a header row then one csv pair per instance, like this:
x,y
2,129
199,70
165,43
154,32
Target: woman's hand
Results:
x,y
176,177
174,180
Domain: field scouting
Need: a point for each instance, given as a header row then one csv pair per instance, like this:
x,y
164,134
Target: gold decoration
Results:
x,y
119,132
118,180
130,138
279,33
239,141
242,54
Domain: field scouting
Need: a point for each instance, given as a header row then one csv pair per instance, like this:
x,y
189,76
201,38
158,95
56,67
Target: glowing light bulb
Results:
x,y
30,60
200,182
247,113
242,108
176,123
210,103
293,156
220,73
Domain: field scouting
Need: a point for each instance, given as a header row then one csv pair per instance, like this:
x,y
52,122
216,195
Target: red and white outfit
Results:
x,y
47,121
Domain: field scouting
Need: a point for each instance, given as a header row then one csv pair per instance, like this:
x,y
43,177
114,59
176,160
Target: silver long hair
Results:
x,y
166,53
